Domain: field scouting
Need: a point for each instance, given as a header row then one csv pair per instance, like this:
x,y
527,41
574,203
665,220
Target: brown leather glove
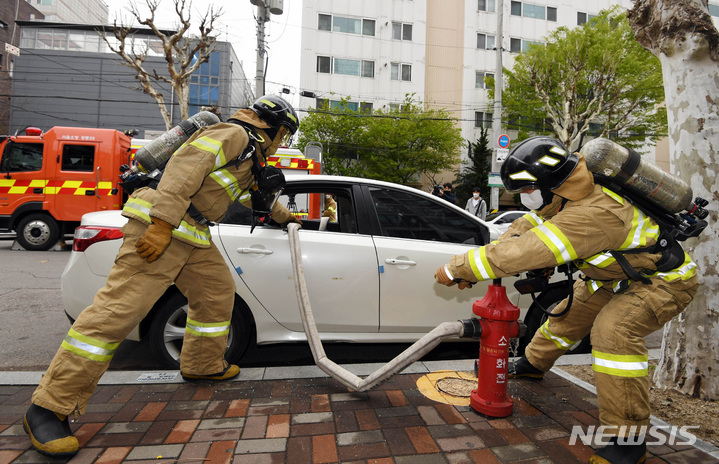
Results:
x,y
155,240
442,276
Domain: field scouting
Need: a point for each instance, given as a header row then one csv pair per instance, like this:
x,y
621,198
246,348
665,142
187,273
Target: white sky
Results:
x,y
237,26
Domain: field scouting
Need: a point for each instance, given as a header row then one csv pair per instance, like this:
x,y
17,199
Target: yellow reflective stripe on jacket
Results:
x,y
228,182
600,260
199,235
139,208
533,218
207,329
643,227
594,285
563,343
620,365
211,146
556,241
685,271
480,265
618,198
88,347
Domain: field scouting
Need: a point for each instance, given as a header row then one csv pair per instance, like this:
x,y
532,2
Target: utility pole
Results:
x,y
264,8
497,115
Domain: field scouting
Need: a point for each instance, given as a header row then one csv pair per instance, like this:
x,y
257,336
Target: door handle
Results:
x,y
89,193
258,251
400,262
37,190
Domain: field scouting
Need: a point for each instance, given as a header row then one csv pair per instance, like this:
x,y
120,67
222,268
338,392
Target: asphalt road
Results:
x,y
33,324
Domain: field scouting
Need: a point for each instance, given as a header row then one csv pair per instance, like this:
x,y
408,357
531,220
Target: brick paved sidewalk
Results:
x,y
316,420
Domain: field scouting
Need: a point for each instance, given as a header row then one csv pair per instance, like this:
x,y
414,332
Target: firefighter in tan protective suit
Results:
x,y
165,242
575,220
330,208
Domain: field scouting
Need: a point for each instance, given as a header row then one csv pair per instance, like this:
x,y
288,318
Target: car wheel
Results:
x,y
37,232
536,317
167,331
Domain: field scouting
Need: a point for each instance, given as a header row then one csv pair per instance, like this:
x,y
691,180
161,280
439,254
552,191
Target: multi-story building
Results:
x,y
66,75
376,51
10,12
72,11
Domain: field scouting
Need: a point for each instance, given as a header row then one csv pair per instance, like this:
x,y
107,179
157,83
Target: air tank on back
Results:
x,y
626,167
152,155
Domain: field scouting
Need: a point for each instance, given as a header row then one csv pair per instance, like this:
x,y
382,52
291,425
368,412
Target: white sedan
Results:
x,y
369,271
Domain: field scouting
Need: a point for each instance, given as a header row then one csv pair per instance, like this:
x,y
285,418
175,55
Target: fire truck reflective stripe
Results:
x,y
562,343
620,365
211,146
480,265
207,329
193,234
88,347
139,208
228,182
534,218
594,285
556,241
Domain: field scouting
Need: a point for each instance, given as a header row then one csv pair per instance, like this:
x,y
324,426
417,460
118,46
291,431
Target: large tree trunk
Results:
x,y
681,34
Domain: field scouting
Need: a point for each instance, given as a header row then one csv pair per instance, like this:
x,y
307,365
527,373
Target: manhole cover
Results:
x,y
457,387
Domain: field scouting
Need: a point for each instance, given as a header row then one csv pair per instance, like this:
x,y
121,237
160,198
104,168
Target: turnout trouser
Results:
x,y
618,324
132,288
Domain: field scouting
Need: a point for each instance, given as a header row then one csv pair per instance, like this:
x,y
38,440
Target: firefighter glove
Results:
x,y
443,276
155,240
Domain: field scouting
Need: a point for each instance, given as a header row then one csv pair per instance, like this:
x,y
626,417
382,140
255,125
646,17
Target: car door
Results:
x,y
340,265
417,234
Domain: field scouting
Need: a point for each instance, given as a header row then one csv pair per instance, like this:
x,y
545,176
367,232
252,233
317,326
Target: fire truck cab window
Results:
x,y
22,157
78,158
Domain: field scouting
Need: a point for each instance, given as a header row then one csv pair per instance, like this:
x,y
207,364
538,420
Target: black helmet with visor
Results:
x,y
537,163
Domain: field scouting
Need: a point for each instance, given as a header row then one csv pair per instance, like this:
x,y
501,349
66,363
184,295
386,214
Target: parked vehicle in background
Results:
x,y
369,272
49,180
503,220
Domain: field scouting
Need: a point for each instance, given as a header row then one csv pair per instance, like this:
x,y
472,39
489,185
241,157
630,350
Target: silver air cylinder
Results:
x,y
152,155
626,167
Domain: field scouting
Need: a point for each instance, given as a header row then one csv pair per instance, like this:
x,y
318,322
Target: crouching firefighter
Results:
x,y
635,280
167,240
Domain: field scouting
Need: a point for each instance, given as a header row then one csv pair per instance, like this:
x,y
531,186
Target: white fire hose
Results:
x,y
421,347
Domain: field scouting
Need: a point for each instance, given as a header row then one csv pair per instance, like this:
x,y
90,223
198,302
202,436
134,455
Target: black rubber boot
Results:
x,y
620,453
230,372
49,432
523,369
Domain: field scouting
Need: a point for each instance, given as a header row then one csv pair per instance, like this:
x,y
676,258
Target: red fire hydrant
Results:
x,y
498,319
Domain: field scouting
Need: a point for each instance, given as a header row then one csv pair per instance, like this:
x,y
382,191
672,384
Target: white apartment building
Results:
x,y
376,51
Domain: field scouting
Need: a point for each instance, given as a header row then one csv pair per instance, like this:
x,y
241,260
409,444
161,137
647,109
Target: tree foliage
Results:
x,y
475,171
183,53
594,80
397,145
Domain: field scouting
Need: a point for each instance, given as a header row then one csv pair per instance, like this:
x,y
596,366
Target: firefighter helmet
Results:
x,y
276,112
538,162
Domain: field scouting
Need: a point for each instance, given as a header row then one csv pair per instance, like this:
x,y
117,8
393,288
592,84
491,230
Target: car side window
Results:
x,y
405,215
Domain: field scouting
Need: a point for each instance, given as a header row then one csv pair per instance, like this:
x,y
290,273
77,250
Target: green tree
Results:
x,y
398,145
475,171
591,80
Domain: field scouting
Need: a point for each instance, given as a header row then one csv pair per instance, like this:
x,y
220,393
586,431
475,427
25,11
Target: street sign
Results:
x,y
494,180
502,154
503,141
12,49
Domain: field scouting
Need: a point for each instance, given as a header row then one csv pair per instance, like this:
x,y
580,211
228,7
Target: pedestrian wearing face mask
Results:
x,y
632,285
476,205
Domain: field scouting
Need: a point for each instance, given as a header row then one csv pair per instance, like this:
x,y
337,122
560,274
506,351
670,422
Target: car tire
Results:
x,y
168,329
536,317
37,232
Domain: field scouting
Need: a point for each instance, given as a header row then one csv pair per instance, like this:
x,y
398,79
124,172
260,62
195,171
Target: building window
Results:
x,y
485,41
486,5
583,17
482,119
529,10
551,14
479,79
401,31
367,68
327,22
324,64
205,90
714,10
516,9
515,45
366,108
401,72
